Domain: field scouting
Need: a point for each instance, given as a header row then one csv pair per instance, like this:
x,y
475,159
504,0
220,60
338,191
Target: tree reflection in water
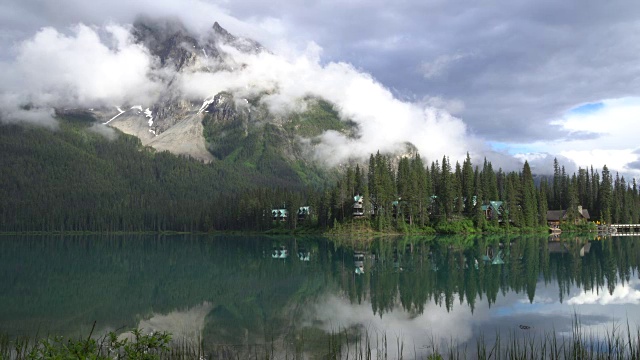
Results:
x,y
61,284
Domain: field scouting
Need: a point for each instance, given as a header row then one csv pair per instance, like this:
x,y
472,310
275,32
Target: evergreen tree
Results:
x,y
513,190
528,198
556,199
489,182
572,195
446,191
605,195
480,219
457,190
468,185
542,203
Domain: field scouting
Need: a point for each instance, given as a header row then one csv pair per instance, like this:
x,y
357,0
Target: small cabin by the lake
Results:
x,y
493,210
279,214
303,213
358,206
283,214
555,217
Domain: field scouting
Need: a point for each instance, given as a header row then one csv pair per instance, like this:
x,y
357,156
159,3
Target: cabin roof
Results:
x,y
557,215
495,205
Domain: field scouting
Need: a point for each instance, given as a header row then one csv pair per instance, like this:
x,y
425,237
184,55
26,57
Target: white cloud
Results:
x,y
605,136
83,70
101,129
453,106
89,67
11,114
102,66
416,331
385,122
622,294
184,325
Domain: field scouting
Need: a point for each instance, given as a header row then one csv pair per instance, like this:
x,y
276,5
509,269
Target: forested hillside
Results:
x,y
74,179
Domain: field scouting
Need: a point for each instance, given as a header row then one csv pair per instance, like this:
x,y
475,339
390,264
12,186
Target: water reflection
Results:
x,y
254,290
186,325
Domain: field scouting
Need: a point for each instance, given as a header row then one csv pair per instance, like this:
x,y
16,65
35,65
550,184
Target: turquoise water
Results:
x,y
241,291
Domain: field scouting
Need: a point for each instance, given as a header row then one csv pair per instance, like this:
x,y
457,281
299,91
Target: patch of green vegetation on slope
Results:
x,y
319,117
256,140
223,138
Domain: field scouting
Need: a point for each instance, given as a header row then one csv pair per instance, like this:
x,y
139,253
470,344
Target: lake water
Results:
x,y
241,291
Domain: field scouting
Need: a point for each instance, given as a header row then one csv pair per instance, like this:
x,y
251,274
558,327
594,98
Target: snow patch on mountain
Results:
x,y
149,114
120,112
206,104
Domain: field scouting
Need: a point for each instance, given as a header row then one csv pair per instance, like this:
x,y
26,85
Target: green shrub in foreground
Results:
x,y
141,347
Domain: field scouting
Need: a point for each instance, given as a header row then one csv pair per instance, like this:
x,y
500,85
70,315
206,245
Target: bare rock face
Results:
x,y
173,120
222,109
170,42
185,138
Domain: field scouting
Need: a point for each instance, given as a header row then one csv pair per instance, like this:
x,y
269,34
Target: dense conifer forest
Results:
x,y
73,179
405,192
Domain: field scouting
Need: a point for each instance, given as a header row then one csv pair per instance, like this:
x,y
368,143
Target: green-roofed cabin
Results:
x,y
495,258
279,214
303,213
493,210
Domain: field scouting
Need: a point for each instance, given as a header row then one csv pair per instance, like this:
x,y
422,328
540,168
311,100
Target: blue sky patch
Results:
x,y
587,108
511,149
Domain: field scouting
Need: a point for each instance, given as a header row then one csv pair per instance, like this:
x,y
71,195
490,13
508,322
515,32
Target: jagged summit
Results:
x,y
240,43
174,45
170,41
222,32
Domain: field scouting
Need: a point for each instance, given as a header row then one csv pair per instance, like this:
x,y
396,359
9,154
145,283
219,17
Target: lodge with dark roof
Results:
x,y
555,217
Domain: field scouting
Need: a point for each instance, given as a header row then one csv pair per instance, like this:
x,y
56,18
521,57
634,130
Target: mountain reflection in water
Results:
x,y
233,289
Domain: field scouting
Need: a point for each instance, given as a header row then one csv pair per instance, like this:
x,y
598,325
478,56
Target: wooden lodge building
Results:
x,y
556,217
493,210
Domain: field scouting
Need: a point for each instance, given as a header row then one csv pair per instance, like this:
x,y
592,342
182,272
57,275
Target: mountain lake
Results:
x,y
241,295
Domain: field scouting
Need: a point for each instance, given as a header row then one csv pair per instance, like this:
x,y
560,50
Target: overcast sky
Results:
x,y
526,77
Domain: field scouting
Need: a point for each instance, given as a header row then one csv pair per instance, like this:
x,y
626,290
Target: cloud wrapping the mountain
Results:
x,y
385,122
93,67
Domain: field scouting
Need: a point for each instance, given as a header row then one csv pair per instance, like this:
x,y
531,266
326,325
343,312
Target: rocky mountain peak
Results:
x,y
221,124
170,41
222,33
246,45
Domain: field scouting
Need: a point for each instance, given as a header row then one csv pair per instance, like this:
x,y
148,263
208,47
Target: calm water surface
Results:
x,y
243,291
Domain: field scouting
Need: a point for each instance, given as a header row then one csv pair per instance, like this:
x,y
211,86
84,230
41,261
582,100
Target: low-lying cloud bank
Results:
x,y
102,66
86,67
385,122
